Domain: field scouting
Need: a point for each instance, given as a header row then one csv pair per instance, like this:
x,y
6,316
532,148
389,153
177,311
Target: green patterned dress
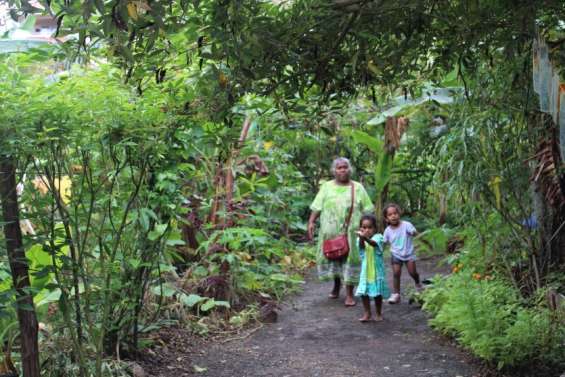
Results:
x,y
333,202
372,281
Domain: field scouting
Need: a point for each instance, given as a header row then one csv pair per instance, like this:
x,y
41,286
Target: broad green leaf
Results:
x,y
374,144
192,299
157,232
29,23
165,290
209,304
383,172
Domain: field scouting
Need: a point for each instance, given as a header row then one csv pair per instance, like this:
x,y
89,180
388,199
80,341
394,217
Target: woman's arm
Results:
x,y
312,224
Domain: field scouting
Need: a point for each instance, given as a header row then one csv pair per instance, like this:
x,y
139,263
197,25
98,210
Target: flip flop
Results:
x,y
349,305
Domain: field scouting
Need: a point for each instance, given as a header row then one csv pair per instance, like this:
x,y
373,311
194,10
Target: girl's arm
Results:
x,y
363,239
411,230
361,244
379,245
371,242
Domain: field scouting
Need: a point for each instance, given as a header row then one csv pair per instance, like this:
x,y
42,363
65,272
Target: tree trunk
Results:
x,y
224,181
548,197
443,203
19,267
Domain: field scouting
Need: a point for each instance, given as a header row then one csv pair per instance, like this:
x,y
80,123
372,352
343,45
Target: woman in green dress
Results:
x,y
332,205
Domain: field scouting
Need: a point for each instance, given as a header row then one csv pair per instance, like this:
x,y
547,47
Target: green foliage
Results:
x,y
107,236
434,241
259,262
482,303
145,149
489,318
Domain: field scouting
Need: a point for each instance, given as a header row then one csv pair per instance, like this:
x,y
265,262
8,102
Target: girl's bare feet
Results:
x,y
333,295
349,301
379,318
366,318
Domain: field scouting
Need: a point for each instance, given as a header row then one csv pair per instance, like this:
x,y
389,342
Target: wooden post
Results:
x,y
19,267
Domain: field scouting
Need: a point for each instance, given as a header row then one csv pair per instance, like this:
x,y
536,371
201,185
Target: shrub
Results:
x,y
489,318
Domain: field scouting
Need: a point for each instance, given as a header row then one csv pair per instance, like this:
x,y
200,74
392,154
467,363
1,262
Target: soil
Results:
x,y
317,336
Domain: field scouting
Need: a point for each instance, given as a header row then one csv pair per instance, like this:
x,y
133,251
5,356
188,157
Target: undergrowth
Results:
x,y
483,307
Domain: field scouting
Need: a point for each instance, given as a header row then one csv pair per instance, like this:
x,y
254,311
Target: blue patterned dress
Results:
x,y
372,281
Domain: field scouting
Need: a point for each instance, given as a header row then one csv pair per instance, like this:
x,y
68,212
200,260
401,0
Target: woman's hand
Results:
x,y
312,225
310,232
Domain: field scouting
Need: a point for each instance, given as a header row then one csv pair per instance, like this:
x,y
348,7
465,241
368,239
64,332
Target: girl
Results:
x,y
399,235
372,282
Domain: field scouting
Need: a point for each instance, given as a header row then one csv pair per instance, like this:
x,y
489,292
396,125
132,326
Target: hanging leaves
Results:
x,y
383,172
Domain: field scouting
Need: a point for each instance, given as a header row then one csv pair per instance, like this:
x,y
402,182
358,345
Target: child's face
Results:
x,y
392,216
367,228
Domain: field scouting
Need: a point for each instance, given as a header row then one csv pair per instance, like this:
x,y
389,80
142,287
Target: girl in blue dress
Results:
x,y
372,281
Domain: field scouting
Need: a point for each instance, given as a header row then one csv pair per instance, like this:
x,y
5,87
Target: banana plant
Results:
x,y
383,162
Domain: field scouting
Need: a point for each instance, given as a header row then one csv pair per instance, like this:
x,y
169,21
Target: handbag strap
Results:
x,y
350,208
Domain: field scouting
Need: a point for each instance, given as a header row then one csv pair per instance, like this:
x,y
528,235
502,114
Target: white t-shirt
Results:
x,y
400,240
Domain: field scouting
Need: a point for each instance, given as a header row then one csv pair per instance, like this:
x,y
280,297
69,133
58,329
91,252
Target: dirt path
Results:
x,y
315,336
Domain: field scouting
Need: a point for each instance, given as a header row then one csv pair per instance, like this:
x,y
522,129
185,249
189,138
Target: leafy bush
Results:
x,y
490,318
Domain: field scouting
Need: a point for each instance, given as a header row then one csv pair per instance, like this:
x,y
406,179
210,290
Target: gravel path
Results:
x,y
315,336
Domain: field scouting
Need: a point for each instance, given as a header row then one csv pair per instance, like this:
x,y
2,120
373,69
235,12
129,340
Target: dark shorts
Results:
x,y
395,260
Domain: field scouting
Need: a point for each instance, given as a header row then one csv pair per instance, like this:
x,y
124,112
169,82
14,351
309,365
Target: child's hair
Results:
x,y
372,218
392,205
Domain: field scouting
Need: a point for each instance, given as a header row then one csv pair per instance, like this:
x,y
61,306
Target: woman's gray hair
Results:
x,y
340,160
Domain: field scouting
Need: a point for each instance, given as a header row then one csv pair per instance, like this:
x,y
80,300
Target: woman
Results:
x,y
332,204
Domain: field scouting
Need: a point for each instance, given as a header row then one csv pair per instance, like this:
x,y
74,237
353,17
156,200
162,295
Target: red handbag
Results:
x,y
338,247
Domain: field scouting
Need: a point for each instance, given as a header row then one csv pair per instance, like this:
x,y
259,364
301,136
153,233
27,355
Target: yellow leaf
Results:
x,y
143,5
268,145
223,79
372,67
245,256
132,10
287,260
63,186
495,185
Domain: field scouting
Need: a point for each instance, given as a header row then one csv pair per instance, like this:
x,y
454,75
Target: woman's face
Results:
x,y
342,172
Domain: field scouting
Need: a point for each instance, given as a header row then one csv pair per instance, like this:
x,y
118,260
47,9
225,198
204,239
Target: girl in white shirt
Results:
x,y
399,235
